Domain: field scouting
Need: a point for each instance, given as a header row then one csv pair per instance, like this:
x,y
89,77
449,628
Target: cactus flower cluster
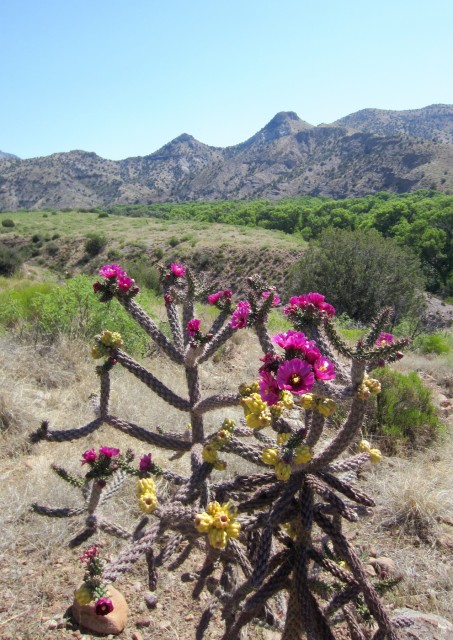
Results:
x,y
146,494
314,402
282,458
219,522
93,587
375,454
106,341
210,452
116,282
311,305
368,387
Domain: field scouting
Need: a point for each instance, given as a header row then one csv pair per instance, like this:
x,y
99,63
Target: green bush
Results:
x,y
159,253
360,272
145,274
52,249
7,222
173,241
94,243
405,414
432,343
46,311
10,260
36,237
103,214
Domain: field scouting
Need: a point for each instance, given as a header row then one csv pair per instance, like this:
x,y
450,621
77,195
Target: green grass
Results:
x,y
436,343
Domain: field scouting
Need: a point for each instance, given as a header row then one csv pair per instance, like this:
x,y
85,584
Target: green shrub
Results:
x,y
46,311
405,414
173,241
159,253
103,214
10,260
94,243
145,274
113,255
7,222
36,237
52,249
360,272
432,343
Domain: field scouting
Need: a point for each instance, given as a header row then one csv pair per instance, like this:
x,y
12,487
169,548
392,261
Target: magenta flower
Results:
x,y
240,315
89,456
324,369
311,352
384,339
311,301
193,327
215,297
124,282
146,462
291,340
296,376
276,301
269,390
108,452
177,270
91,552
111,271
103,606
328,309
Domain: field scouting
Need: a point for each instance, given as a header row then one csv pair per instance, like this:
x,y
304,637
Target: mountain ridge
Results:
x,y
368,151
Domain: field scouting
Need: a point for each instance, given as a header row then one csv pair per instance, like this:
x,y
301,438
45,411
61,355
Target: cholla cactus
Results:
x,y
263,530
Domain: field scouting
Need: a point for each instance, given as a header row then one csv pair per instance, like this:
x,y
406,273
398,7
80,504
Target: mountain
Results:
x,y
365,152
3,154
430,123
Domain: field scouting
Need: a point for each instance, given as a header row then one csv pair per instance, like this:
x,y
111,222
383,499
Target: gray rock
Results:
x,y
426,626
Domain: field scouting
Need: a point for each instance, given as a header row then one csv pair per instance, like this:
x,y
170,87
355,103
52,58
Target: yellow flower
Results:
x,y
233,529
203,521
307,401
209,453
277,410
344,565
145,485
325,406
282,471
229,424
217,538
302,454
219,465
213,508
222,437
221,520
373,385
287,398
363,392
270,456
364,446
282,438
97,352
111,339
375,456
258,421
83,595
147,502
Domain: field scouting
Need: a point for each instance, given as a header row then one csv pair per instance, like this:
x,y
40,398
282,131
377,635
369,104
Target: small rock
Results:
x,y
113,623
51,624
189,616
137,635
164,625
151,600
426,626
144,622
383,563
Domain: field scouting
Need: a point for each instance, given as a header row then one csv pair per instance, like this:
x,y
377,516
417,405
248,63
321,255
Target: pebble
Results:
x,y
137,635
51,624
190,616
151,600
143,622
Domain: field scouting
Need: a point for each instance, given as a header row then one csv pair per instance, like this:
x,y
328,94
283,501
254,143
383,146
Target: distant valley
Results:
x,y
363,153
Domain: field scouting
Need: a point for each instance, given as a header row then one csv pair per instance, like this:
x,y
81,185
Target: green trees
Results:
x,y
359,272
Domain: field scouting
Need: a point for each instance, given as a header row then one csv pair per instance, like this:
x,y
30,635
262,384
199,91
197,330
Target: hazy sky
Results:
x,y
123,78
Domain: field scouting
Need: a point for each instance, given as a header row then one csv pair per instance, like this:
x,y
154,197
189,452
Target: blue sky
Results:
x,y
123,78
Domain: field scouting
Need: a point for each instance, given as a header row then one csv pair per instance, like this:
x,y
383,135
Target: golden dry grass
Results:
x,y
39,572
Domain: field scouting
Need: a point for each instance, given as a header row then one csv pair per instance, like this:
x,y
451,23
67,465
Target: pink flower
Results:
x,y
111,271
240,315
276,301
324,369
103,606
328,309
108,452
296,376
124,282
291,340
89,456
177,270
220,295
91,552
384,339
193,327
311,352
269,390
146,462
311,301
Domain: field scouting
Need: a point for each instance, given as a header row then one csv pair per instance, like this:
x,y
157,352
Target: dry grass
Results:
x,y
39,572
